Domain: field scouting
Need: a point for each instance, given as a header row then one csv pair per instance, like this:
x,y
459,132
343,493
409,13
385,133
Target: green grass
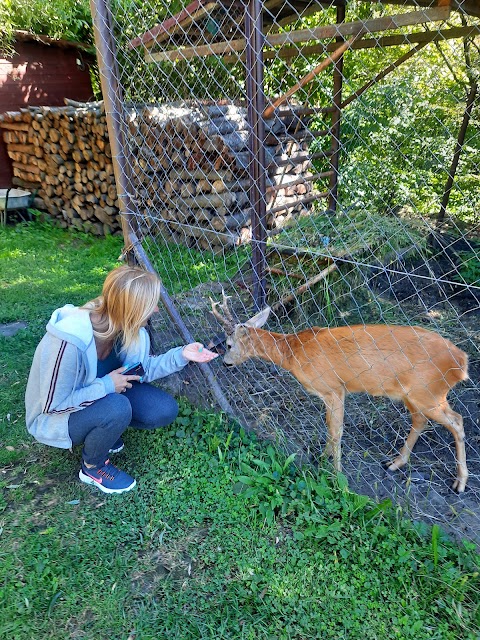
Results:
x,y
360,237
223,537
182,269
365,234
41,263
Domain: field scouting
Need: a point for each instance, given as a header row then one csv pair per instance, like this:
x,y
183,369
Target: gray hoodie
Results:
x,y
63,377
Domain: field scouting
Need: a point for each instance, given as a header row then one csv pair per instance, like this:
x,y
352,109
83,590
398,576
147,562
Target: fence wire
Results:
x,y
367,178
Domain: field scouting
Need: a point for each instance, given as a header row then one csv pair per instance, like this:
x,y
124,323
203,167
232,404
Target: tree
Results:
x,y
67,19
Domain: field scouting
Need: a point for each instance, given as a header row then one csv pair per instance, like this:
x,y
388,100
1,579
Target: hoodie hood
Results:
x,y
73,325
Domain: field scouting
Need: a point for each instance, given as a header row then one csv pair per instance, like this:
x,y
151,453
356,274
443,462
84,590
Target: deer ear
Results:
x,y
258,319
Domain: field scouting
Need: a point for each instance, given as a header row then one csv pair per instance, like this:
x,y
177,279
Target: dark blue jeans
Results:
x,y
101,424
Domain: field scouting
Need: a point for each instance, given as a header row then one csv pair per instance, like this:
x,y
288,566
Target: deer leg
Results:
x,y
419,422
453,421
335,404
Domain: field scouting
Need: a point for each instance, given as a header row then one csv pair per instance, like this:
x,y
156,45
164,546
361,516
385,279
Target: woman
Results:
x,y
76,391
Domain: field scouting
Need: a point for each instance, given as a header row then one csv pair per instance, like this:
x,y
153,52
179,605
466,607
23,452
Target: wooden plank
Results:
x,y
339,51
271,4
383,73
202,51
296,203
169,27
351,28
371,43
291,53
306,35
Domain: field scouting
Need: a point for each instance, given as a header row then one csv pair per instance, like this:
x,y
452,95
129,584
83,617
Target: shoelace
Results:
x,y
104,473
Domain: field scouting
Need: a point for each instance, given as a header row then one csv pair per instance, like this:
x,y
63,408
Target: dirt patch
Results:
x,y
31,499
168,561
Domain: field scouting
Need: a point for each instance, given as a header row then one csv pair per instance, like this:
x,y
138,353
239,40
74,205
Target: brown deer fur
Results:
x,y
410,364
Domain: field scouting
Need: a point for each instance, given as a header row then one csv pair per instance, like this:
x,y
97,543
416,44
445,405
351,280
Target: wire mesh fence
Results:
x,y
321,159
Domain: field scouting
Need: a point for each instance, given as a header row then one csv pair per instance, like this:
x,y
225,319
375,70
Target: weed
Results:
x,y
468,272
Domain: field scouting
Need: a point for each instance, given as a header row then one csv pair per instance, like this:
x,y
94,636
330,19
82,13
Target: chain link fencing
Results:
x,y
323,160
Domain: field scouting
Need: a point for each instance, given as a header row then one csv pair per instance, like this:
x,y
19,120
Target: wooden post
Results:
x,y
256,105
113,98
336,116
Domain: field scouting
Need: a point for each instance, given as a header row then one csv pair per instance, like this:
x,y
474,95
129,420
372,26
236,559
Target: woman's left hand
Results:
x,y
196,352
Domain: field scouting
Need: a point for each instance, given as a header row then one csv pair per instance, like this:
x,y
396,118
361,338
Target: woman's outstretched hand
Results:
x,y
196,352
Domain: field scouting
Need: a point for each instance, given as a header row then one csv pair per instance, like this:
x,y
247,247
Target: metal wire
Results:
x,y
254,170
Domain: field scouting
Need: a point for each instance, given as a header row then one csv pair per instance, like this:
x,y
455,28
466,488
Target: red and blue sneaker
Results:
x,y
108,478
117,447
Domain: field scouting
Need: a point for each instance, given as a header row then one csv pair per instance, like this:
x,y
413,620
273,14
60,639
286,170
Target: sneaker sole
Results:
x,y
117,450
87,480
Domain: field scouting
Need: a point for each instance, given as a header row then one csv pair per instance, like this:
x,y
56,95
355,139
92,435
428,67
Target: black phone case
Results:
x,y
134,370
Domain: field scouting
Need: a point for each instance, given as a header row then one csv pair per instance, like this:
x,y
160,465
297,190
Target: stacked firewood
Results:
x,y
191,169
187,164
62,154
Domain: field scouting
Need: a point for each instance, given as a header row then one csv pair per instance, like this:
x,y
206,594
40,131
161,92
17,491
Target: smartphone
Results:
x,y
134,370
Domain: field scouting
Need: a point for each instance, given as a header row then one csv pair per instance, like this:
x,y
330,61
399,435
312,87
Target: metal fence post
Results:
x,y
256,106
113,99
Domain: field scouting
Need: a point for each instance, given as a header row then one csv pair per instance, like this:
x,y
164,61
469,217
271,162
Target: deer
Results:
x,y
404,363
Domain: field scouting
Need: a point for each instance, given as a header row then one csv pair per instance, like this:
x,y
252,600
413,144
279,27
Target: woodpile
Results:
x,y
188,169
63,155
191,171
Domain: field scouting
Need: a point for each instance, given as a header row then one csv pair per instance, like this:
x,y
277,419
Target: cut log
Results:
x,y
191,167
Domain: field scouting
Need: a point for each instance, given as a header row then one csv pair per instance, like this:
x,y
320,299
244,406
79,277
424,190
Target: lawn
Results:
x,y
222,538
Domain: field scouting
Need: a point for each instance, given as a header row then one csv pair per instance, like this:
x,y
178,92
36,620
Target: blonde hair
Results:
x,y
129,297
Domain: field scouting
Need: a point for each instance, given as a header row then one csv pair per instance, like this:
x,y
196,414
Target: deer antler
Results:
x,y
227,319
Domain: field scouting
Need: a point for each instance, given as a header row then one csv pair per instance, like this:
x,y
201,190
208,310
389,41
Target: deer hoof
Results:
x,y
459,485
393,466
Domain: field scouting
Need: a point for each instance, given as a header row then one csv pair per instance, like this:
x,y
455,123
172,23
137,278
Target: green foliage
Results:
x,y
68,19
279,489
468,272
399,137
360,232
269,483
